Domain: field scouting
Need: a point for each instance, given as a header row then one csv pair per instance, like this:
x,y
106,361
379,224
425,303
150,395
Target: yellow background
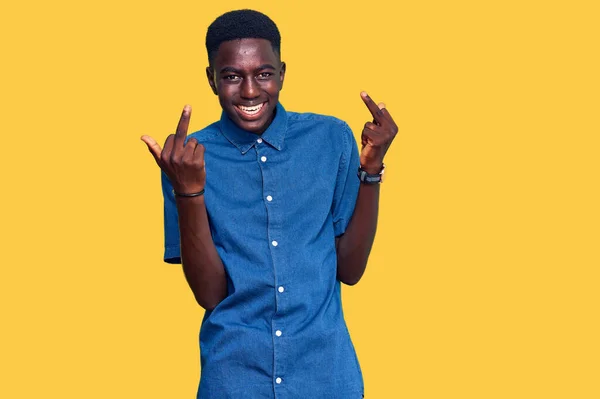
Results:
x,y
483,281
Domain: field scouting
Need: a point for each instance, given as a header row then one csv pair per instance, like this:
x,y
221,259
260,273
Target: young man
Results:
x,y
268,211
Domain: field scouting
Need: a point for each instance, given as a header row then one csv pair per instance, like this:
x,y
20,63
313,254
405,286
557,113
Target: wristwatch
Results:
x,y
371,179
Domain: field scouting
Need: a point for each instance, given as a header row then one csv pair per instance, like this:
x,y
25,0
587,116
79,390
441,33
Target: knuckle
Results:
x,y
165,157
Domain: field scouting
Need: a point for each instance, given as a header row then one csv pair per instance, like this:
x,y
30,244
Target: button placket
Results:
x,y
264,158
272,230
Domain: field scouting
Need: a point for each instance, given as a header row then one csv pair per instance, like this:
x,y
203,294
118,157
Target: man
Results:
x,y
268,211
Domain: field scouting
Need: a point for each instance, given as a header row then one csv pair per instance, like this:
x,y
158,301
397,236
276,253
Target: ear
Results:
x,y
211,79
281,75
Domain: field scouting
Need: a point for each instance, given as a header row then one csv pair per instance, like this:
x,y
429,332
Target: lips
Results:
x,y
252,112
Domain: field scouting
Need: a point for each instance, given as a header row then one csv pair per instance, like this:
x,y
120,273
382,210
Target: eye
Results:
x,y
265,75
231,78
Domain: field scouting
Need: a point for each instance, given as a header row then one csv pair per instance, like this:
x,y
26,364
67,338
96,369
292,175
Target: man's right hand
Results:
x,y
183,163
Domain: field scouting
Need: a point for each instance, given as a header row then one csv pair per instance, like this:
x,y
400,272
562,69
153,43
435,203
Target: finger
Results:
x,y
372,133
168,149
182,126
373,108
153,147
369,133
372,127
381,107
387,116
188,151
199,154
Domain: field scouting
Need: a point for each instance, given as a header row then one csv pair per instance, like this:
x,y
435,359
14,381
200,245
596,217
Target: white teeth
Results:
x,y
251,110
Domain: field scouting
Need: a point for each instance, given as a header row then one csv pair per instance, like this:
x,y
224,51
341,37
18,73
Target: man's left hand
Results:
x,y
377,136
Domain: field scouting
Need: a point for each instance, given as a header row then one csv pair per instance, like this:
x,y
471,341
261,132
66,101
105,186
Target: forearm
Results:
x,y
201,262
354,246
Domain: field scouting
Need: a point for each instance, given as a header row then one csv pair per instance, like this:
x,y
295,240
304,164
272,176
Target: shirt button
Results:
x,y
269,198
278,333
263,158
278,380
259,140
280,289
274,243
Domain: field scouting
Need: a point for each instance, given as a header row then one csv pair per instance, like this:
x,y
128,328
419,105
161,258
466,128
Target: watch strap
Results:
x,y
370,178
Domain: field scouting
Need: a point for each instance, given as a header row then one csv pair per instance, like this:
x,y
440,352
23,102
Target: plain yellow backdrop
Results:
x,y
483,281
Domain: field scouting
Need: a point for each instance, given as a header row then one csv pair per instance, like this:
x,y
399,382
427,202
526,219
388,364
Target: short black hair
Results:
x,y
241,24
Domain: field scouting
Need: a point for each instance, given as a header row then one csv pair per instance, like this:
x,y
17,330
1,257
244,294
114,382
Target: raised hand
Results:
x,y
377,136
182,162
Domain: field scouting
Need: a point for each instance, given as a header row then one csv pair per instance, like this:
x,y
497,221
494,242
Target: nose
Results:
x,y
249,89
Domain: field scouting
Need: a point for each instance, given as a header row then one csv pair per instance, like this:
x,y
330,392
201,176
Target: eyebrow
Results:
x,y
235,70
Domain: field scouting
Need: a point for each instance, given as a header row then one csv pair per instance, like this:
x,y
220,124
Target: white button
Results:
x,y
278,333
263,158
259,141
280,289
278,380
269,198
274,243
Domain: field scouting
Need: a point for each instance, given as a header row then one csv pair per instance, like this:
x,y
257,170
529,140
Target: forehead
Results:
x,y
242,53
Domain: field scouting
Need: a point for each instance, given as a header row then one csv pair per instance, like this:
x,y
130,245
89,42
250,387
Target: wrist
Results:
x,y
189,202
188,194
371,175
372,169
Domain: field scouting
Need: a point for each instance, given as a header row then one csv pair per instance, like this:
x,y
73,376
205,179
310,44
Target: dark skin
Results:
x,y
247,76
247,73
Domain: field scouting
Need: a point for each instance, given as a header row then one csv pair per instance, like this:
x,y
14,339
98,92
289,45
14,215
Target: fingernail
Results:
x,y
364,94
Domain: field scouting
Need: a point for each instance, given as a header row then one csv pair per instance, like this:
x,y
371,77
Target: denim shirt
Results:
x,y
275,204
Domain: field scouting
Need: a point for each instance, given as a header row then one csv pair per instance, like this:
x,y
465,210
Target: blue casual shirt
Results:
x,y
275,204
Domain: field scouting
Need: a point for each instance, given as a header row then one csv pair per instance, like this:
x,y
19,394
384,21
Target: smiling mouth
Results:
x,y
250,111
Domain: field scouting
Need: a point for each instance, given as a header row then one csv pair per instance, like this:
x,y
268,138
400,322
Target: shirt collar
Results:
x,y
244,140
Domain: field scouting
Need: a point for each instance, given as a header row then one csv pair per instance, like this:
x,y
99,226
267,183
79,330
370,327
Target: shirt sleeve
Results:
x,y
172,252
347,183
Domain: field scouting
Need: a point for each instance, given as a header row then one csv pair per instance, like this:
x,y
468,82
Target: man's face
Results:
x,y
247,75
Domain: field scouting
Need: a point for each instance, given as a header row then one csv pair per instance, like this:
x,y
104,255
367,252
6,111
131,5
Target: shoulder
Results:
x,y
209,133
326,126
307,119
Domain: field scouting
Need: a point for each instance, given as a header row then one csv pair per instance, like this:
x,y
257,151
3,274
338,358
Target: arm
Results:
x,y
354,246
183,164
202,265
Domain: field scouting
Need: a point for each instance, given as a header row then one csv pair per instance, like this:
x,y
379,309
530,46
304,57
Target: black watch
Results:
x,y
371,179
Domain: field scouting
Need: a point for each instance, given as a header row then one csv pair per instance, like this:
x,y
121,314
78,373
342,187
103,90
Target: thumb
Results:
x,y
153,147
